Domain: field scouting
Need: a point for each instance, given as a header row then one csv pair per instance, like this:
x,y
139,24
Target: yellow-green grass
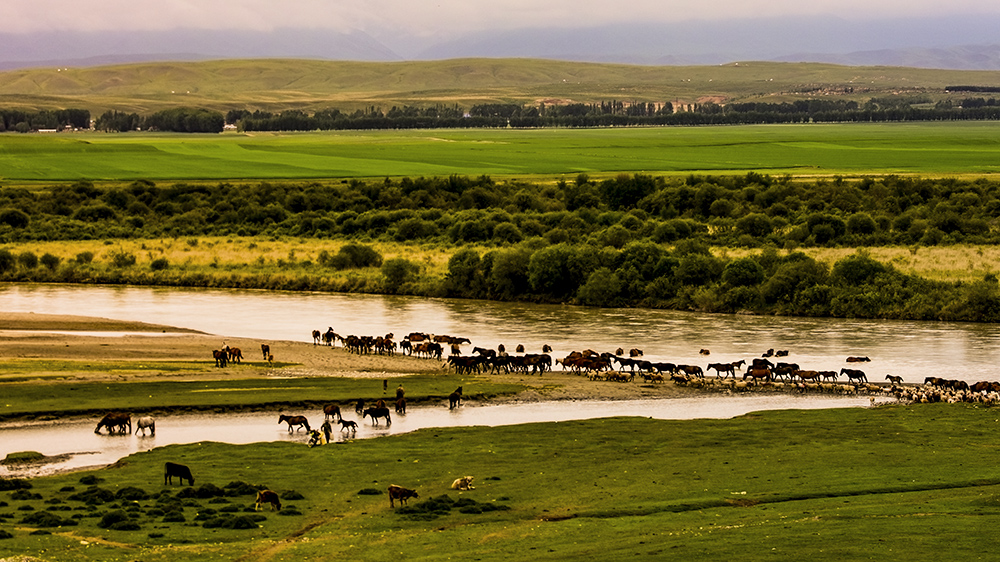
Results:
x,y
894,483
299,256
275,84
926,148
44,397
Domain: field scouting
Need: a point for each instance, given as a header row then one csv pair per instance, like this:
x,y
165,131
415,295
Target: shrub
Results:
x,y
15,218
121,258
159,264
398,271
601,289
27,260
7,261
50,261
85,257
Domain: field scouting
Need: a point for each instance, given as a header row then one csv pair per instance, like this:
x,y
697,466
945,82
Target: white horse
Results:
x,y
143,423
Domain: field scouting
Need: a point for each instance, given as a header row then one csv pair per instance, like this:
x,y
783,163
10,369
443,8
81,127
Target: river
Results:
x,y
911,349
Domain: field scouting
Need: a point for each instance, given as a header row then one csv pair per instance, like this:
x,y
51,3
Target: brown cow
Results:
x,y
268,496
400,493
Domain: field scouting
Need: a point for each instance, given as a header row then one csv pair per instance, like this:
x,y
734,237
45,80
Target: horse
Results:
x,y
455,399
221,357
756,374
144,422
894,379
519,348
635,352
720,368
401,405
265,349
360,406
235,355
858,359
376,413
331,410
705,352
115,421
293,421
854,374
546,348
269,497
316,336
329,336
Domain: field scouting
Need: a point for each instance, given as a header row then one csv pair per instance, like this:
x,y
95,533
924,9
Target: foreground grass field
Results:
x,y
934,149
891,483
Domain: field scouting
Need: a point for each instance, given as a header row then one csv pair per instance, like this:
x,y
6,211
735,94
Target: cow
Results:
x,y
115,421
400,493
268,496
463,483
179,470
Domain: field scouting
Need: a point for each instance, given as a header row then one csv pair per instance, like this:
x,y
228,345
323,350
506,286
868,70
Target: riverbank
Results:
x,y
63,349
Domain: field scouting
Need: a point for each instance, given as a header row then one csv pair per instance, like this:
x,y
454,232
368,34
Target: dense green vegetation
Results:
x,y
631,240
895,483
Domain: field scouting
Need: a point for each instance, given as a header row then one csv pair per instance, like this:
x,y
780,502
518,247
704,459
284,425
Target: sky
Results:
x,y
435,17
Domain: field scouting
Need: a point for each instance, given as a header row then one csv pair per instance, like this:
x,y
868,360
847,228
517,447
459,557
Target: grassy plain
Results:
x,y
236,257
930,149
310,85
890,483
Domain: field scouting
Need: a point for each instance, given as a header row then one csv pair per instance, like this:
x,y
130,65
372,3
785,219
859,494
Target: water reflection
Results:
x,y
913,350
77,436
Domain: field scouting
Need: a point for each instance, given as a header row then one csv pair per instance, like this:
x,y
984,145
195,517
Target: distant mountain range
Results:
x,y
951,42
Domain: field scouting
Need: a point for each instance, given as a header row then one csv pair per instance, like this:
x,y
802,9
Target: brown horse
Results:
x,y
331,410
235,355
294,421
115,421
401,405
316,337
221,357
455,399
265,349
348,424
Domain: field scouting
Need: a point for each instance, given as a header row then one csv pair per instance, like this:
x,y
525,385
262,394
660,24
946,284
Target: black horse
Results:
x,y
376,413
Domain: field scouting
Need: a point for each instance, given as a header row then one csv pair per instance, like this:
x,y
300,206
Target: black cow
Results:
x,y
179,470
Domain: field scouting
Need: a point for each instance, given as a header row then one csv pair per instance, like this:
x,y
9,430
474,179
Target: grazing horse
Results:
x,y
455,399
293,421
331,410
221,357
894,379
858,359
854,374
401,405
269,497
316,336
348,424
376,413
235,355
265,349
115,421
144,422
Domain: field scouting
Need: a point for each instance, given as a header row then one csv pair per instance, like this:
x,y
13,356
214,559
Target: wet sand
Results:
x,y
77,338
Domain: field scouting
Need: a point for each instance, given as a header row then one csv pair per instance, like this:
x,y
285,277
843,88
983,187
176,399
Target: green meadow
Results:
x,y
889,483
930,149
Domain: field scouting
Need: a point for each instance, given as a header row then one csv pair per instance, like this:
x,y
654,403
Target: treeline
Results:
x,y
26,121
632,240
618,113
178,120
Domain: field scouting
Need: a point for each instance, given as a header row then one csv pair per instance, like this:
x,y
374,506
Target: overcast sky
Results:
x,y
433,17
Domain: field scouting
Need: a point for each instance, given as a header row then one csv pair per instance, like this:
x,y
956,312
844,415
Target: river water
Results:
x,y
77,437
913,350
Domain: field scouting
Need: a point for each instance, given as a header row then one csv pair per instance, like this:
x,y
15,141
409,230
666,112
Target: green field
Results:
x,y
891,483
964,148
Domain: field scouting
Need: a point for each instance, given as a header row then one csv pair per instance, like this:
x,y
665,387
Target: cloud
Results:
x,y
432,17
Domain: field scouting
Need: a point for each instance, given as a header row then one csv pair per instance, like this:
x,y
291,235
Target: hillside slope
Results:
x,y
276,84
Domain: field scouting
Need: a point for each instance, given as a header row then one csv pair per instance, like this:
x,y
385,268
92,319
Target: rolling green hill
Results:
x,y
277,84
